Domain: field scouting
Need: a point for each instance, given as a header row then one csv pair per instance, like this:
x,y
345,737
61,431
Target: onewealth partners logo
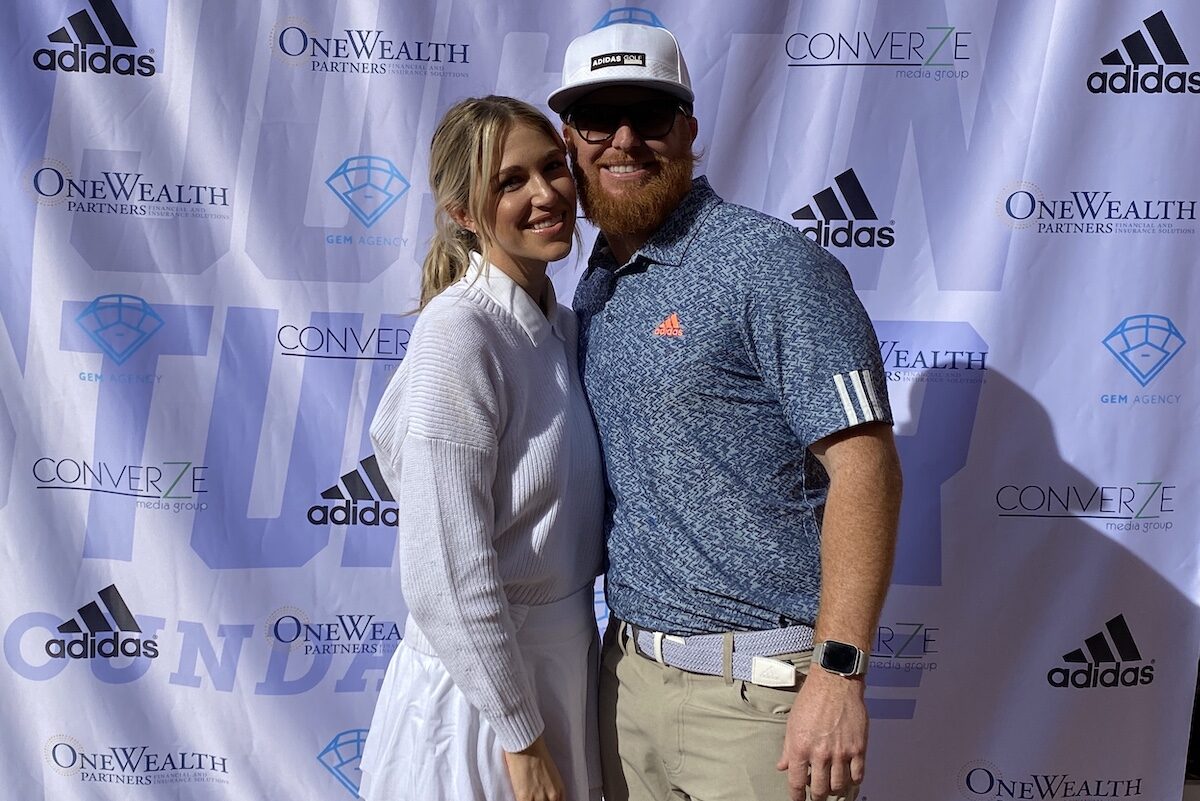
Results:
x,y
1090,212
134,765
125,192
299,43
983,779
343,633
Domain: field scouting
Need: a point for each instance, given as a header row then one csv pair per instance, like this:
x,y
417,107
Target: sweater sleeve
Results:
x,y
436,438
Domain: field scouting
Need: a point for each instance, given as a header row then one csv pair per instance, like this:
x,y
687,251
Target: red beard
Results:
x,y
642,210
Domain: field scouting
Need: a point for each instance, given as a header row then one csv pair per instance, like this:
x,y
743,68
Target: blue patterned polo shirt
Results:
x,y
725,347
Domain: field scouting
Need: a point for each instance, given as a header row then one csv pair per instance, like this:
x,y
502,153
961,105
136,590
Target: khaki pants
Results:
x,y
667,735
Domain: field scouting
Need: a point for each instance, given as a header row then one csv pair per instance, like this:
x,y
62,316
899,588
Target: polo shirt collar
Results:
x,y
508,295
670,242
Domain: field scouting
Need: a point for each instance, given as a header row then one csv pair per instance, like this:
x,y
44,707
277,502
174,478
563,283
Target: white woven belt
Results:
x,y
750,658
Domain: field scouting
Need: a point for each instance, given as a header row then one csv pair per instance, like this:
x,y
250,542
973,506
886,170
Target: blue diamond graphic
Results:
x,y
368,185
633,15
1144,344
341,758
119,324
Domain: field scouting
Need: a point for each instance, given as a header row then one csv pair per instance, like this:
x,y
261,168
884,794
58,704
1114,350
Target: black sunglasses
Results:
x,y
650,119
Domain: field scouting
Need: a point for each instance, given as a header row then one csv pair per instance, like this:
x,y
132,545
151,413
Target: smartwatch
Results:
x,y
840,658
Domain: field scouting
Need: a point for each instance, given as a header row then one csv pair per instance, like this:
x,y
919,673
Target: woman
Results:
x,y
485,438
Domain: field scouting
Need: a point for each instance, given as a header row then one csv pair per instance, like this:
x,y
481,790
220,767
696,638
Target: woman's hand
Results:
x,y
533,773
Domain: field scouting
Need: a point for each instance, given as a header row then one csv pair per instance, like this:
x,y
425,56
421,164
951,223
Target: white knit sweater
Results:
x,y
485,438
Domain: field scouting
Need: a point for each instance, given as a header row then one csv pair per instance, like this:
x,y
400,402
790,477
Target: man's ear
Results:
x,y
568,134
463,219
693,126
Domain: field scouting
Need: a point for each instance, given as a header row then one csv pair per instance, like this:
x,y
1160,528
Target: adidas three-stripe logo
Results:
x,y
857,394
831,208
834,227
1098,645
87,33
1143,64
1139,50
94,618
1109,658
357,488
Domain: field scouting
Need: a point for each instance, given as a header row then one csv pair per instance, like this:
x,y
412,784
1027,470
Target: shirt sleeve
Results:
x,y
814,344
436,441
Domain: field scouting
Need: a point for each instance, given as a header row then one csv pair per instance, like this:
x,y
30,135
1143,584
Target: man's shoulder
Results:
x,y
758,242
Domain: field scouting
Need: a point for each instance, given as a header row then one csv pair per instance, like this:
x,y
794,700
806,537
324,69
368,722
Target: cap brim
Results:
x,y
563,99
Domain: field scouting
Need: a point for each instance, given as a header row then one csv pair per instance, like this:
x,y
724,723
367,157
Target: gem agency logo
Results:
x,y
361,508
94,643
166,486
939,52
342,757
1093,672
382,343
368,185
1141,506
826,233
1136,77
102,61
119,324
357,633
982,779
134,765
128,193
374,52
629,14
1024,205
1144,344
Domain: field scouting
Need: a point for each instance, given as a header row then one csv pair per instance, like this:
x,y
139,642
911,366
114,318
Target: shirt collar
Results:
x,y
670,242
508,295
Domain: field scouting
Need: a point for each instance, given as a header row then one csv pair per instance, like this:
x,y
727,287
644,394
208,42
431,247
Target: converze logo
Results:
x,y
119,324
102,61
126,193
1142,506
368,185
342,756
982,779
134,765
1025,205
169,486
828,230
381,344
939,52
1135,78
361,508
368,51
901,654
1093,672
101,640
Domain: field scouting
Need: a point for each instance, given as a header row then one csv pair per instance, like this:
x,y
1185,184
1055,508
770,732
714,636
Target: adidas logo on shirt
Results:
x,y
829,231
1145,69
83,30
360,506
669,327
101,640
1101,666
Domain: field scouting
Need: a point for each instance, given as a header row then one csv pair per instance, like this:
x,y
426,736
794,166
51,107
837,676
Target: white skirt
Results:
x,y
427,743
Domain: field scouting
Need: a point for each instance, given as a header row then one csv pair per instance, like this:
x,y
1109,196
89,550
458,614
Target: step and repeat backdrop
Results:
x,y
213,220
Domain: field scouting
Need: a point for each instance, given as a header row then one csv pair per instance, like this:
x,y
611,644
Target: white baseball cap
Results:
x,y
622,54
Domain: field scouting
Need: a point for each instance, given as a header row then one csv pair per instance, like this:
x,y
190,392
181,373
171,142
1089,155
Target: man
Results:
x,y
754,484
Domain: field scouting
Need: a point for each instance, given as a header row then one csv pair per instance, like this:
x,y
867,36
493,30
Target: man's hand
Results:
x,y
533,773
826,742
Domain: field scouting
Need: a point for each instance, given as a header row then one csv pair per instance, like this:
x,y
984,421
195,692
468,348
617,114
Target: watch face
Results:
x,y
839,657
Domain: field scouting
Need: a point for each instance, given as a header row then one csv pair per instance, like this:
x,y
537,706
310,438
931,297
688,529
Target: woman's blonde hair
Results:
x,y
463,158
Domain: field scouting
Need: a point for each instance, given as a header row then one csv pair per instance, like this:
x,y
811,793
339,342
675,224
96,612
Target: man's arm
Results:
x,y
827,727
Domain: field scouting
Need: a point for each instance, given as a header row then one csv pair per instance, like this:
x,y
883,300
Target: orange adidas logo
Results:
x,y
669,327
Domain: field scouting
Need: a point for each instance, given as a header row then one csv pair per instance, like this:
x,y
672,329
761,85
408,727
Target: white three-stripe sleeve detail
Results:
x,y
870,385
867,410
847,405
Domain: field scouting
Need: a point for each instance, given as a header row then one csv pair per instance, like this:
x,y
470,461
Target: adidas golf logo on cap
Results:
x,y
622,54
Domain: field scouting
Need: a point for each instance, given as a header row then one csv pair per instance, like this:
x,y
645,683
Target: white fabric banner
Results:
x,y
213,224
